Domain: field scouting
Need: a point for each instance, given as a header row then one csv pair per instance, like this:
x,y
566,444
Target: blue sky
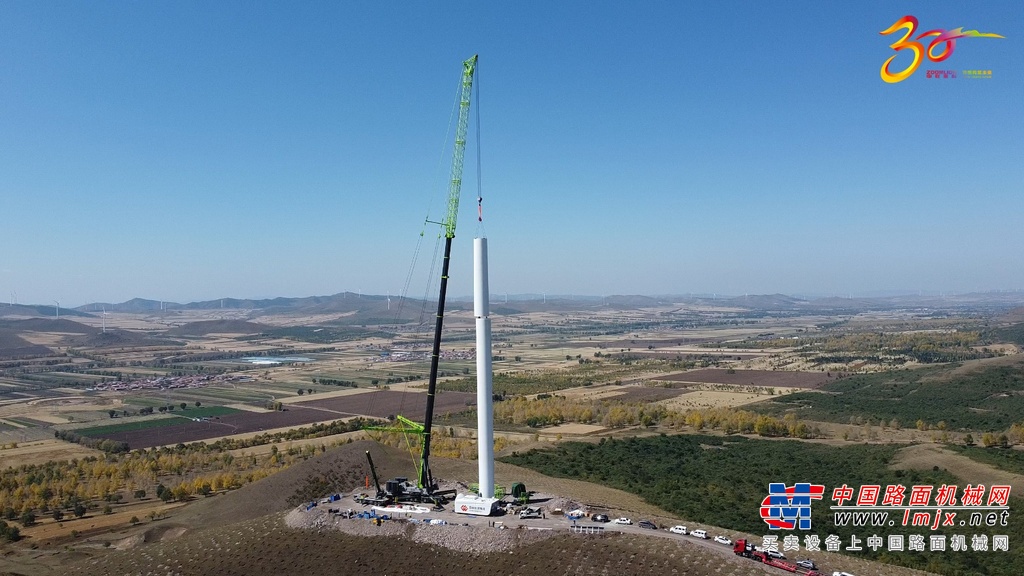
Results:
x,y
193,150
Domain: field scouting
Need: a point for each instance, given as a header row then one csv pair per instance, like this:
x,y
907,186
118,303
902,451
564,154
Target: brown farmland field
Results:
x,y
649,394
384,403
774,378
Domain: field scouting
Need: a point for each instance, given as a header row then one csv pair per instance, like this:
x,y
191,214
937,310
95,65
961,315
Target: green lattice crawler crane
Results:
x,y
426,489
426,480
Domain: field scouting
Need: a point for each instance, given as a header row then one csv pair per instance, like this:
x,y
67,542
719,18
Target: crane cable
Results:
x,y
479,173
421,324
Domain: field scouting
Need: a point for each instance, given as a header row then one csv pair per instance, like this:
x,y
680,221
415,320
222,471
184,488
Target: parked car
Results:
x,y
809,564
622,521
678,530
647,524
776,554
600,518
723,540
699,534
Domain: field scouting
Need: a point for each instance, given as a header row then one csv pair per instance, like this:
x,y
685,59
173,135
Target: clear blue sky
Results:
x,y
195,150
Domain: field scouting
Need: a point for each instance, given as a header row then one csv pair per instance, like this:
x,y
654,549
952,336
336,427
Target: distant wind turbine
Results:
x,y
57,315
389,300
104,319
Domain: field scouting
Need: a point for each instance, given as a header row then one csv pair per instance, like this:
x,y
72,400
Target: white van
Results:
x,y
699,534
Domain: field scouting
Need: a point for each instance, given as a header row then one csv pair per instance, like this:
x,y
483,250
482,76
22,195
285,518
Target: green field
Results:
x,y
722,481
1014,333
24,421
575,375
988,400
142,422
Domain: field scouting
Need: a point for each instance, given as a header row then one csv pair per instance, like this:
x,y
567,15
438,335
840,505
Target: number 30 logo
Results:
x,y
944,39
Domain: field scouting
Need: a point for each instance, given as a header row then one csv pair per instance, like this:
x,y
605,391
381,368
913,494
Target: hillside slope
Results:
x,y
243,533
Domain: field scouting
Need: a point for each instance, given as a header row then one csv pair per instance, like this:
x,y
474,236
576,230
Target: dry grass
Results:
x,y
48,418
43,451
714,399
49,531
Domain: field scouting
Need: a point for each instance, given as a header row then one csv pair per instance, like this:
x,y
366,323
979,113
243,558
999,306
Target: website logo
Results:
x,y
789,507
944,40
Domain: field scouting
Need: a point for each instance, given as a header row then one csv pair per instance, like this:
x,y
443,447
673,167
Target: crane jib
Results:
x,y
455,186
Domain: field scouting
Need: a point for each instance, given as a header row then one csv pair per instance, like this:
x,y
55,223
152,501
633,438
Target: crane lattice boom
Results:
x,y
455,185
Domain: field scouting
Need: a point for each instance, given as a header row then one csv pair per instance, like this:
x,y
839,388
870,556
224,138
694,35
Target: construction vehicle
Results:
x,y
530,512
426,489
399,491
744,548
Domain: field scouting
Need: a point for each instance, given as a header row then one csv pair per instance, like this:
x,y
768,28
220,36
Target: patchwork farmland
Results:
x,y
375,404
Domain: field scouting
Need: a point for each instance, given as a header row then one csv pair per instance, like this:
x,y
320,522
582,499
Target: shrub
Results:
x,y
9,533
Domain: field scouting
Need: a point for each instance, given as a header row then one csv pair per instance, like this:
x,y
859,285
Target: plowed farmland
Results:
x,y
384,403
773,378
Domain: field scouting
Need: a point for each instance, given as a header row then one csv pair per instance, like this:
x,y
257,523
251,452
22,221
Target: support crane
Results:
x,y
373,470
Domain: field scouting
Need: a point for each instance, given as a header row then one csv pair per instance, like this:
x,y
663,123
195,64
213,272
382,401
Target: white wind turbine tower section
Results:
x,y
57,312
484,370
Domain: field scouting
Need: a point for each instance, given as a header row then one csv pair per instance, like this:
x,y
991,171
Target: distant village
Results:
x,y
167,382
424,355
413,352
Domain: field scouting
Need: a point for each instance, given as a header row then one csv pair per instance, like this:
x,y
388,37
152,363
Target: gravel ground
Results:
x,y
473,539
461,532
479,535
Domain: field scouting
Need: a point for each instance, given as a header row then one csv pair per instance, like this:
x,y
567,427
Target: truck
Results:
x,y
747,550
530,512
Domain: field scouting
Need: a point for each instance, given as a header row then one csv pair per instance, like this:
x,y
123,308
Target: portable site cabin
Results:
x,y
475,505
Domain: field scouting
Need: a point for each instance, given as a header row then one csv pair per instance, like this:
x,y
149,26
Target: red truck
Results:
x,y
747,550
